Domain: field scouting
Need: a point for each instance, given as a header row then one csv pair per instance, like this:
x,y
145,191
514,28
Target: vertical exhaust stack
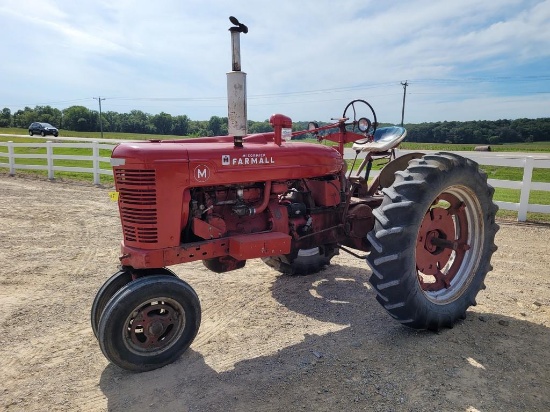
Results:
x,y
236,87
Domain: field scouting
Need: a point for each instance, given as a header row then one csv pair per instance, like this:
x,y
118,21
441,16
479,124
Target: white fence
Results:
x,y
527,162
50,157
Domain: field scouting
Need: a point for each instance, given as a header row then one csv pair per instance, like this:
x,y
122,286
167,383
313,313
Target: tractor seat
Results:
x,y
385,138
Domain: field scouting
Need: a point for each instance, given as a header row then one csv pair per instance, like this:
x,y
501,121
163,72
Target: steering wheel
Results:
x,y
362,123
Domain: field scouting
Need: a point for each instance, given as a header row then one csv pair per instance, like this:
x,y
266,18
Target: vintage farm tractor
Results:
x,y
427,222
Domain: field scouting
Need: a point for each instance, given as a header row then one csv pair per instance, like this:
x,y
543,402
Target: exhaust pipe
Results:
x,y
236,87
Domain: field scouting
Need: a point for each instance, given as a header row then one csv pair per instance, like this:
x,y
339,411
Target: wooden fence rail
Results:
x,y
527,162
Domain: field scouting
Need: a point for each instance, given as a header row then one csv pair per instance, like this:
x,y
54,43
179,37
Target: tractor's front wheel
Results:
x,y
149,323
105,293
113,285
302,261
433,240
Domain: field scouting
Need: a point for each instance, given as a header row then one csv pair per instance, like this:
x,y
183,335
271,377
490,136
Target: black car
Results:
x,y
43,129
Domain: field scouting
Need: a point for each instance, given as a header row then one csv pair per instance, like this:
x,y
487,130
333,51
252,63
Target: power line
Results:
x,y
435,81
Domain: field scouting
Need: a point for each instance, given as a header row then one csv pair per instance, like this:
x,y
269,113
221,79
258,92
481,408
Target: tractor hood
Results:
x,y
216,161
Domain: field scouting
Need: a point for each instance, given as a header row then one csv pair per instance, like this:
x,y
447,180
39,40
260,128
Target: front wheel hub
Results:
x,y
154,326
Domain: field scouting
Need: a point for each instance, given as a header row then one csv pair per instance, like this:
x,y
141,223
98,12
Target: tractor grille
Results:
x,y
137,199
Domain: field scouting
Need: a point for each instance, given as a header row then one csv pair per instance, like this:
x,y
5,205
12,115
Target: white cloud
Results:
x,y
69,50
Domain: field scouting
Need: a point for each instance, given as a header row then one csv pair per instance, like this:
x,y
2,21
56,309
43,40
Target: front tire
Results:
x,y
149,323
105,293
113,285
433,240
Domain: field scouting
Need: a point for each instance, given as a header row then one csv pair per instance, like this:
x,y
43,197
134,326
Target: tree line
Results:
x,y
82,119
481,132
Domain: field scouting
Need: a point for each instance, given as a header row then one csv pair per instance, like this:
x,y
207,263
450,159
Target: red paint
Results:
x,y
207,199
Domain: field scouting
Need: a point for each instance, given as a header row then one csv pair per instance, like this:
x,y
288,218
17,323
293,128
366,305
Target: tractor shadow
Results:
x,y
487,362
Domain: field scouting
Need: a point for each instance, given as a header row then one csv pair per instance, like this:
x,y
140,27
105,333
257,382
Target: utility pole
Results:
x,y
404,94
99,99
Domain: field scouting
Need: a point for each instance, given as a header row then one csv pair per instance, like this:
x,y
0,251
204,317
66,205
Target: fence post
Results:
x,y
525,189
95,161
11,158
49,157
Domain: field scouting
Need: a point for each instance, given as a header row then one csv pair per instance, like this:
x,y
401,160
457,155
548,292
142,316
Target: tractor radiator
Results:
x,y
137,202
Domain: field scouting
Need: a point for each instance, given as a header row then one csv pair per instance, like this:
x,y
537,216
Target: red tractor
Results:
x,y
427,223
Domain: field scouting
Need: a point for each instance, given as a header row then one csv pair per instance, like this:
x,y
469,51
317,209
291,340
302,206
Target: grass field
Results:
x,y
493,172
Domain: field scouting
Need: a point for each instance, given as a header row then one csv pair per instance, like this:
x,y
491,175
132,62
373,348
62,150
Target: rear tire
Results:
x,y
30,133
149,323
223,264
303,261
432,241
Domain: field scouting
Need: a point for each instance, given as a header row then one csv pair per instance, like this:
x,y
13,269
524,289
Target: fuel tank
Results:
x,y
210,161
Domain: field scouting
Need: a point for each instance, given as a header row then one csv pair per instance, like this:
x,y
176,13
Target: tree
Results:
x,y
198,128
111,121
180,125
214,126
137,122
23,118
259,127
77,118
47,114
508,135
163,123
5,117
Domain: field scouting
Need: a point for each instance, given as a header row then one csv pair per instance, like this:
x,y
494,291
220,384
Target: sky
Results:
x,y
462,60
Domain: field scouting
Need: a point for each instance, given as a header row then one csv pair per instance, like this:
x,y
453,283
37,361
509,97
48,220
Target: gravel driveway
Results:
x,y
267,342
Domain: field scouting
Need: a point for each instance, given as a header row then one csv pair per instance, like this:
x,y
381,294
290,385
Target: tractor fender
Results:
x,y
387,174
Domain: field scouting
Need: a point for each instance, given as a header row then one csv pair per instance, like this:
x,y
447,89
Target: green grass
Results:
x,y
515,173
512,195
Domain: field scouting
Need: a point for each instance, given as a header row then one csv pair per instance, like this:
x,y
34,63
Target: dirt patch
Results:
x,y
267,342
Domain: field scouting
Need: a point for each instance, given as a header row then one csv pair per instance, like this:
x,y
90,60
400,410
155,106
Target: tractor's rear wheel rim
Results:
x,y
448,244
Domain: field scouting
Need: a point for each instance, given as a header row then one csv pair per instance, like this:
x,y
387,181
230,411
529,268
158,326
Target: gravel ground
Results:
x,y
267,342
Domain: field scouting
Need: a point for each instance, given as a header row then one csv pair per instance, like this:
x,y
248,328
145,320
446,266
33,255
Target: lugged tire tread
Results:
x,y
393,239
